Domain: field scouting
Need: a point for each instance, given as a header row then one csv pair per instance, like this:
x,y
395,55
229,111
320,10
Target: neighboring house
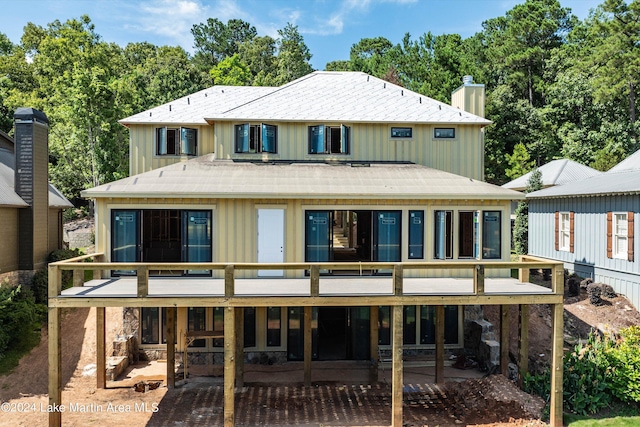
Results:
x,y
30,207
330,218
589,225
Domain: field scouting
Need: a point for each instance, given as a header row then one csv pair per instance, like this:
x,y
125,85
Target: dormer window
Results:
x,y
328,139
260,138
176,141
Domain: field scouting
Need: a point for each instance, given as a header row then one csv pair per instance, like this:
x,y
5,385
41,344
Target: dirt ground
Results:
x,y
491,401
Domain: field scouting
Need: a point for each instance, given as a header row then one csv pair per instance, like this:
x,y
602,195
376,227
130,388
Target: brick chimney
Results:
x,y
32,185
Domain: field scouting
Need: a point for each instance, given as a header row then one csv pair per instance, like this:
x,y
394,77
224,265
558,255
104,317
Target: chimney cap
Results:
x,y
467,80
26,114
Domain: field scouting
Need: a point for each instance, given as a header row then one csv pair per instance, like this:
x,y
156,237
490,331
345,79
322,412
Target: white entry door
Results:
x,y
271,240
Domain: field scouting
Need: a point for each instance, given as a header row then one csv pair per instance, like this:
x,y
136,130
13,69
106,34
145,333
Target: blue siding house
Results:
x,y
589,225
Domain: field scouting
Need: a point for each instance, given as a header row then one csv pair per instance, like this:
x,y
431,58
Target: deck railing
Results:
x,y
476,268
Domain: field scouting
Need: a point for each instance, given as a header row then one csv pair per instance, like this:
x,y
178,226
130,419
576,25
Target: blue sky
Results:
x,y
329,27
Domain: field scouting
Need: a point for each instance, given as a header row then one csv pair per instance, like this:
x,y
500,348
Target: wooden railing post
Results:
x,y
143,281
55,281
97,274
229,281
557,279
398,277
315,280
478,279
523,273
78,278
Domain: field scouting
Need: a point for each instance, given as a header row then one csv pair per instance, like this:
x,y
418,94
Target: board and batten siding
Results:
x,y
235,227
9,247
589,258
142,145
462,155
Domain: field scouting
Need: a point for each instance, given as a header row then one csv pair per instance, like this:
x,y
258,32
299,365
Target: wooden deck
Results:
x,y
419,287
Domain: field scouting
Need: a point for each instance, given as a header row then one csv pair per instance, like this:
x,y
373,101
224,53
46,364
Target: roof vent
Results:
x,y
169,107
188,101
467,80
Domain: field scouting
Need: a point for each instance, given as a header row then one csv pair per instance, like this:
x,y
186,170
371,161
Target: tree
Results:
x,y
231,72
293,55
520,162
215,40
371,55
521,225
259,54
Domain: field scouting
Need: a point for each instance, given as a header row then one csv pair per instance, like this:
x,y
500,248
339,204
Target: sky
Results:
x,y
329,27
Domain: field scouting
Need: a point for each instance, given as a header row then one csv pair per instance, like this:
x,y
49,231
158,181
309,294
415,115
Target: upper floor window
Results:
x,y
444,133
176,141
260,138
404,132
328,139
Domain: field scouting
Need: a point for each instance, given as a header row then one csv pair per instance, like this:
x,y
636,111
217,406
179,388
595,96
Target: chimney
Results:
x,y
469,97
32,185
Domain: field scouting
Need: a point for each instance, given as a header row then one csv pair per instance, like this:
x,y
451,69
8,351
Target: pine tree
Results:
x,y
521,226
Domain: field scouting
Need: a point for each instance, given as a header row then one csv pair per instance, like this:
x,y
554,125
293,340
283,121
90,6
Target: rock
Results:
x,y
594,290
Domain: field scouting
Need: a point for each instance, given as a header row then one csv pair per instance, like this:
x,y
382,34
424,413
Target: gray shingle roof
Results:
x,y
556,172
322,96
609,183
207,177
8,196
630,163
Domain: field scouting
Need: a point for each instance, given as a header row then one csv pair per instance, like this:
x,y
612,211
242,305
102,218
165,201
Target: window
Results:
x,y
444,133
420,330
176,141
409,326
468,234
443,235
274,327
401,132
260,138
416,234
152,318
328,139
564,231
491,235
620,235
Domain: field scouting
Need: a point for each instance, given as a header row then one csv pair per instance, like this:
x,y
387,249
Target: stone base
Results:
x,y
116,366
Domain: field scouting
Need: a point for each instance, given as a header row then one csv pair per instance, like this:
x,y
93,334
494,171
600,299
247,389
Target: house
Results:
x,y
589,225
30,207
331,218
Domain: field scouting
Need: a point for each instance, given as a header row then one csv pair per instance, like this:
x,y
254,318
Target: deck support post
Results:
x,y
55,367
229,366
478,280
439,344
240,347
143,281
55,349
308,350
101,357
557,353
397,366
373,343
504,339
523,342
171,347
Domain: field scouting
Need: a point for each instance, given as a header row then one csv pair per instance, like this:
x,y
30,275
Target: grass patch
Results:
x,y
18,349
576,421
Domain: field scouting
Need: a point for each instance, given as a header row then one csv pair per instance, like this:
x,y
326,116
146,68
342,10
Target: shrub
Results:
x,y
19,315
625,361
40,281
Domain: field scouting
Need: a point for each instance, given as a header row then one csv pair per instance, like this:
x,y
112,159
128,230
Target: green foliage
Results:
x,y
40,286
19,316
231,72
521,225
520,162
293,55
597,374
625,365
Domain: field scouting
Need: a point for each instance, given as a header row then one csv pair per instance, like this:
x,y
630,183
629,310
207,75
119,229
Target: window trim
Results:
x,y
435,130
616,252
564,231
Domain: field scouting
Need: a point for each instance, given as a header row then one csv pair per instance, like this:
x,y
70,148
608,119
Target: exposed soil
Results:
x,y
491,401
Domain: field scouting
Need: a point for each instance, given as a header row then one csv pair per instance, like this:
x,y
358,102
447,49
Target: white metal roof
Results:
x,y
192,109
556,172
8,196
631,162
210,178
322,96
609,183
